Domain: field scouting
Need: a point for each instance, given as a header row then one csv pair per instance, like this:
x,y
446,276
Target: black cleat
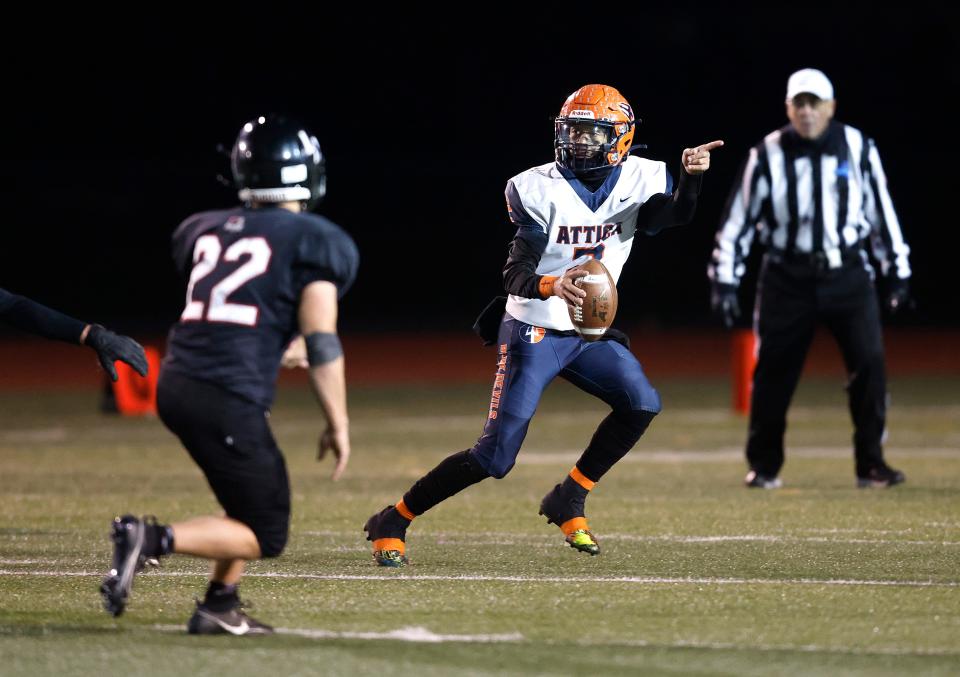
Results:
x,y
880,476
564,506
388,529
234,621
128,538
755,480
561,505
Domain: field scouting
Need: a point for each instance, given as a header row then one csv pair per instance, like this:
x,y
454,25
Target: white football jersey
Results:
x,y
580,224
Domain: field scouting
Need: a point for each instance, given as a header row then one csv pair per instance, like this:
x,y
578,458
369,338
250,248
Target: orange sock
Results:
x,y
572,525
389,544
582,479
404,510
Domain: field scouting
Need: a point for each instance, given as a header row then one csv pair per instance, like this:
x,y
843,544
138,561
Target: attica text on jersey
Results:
x,y
587,234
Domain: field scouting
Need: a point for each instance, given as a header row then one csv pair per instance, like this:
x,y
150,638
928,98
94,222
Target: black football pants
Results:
x,y
230,439
792,298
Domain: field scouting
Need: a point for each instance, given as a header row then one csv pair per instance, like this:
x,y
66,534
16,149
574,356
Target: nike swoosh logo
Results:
x,y
624,199
241,629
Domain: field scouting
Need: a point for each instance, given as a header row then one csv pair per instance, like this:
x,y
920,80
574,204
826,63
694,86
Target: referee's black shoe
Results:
x,y
880,476
755,480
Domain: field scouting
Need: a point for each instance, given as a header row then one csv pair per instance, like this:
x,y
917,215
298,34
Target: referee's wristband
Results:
x,y
322,347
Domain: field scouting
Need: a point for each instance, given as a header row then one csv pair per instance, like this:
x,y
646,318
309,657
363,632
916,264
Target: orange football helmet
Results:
x,y
594,129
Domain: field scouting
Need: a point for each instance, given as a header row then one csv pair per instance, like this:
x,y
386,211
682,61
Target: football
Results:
x,y
599,307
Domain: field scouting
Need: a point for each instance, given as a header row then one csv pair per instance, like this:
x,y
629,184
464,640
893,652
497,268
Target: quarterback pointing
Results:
x,y
590,202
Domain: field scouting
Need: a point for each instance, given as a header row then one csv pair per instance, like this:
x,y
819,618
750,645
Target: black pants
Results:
x,y
230,439
792,298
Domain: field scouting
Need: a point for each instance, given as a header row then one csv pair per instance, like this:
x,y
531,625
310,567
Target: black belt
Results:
x,y
814,260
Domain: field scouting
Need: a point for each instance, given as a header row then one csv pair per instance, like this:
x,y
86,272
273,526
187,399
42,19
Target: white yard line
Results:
x,y
405,634
34,435
424,635
725,454
644,580
804,648
511,537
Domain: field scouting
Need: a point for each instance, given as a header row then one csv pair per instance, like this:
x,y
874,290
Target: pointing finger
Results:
x,y
710,146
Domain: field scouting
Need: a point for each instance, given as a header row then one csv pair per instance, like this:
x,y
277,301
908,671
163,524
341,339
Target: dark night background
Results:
x,y
111,141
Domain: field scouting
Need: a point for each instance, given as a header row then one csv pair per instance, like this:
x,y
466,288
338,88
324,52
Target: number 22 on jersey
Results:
x,y
206,256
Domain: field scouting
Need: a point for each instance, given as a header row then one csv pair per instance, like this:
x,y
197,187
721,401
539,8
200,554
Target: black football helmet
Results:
x,y
276,160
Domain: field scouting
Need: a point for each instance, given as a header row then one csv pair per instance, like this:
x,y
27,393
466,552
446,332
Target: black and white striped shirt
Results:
x,y
806,197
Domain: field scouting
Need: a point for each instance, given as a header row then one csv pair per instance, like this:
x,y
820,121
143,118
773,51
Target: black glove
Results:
x,y
111,347
724,304
898,293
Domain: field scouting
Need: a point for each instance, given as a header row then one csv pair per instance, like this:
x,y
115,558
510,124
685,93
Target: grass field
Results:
x,y
697,576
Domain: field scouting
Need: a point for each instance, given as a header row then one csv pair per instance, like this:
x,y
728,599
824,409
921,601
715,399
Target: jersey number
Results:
x,y
206,255
592,252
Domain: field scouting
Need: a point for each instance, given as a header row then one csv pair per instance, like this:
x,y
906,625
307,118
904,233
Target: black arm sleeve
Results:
x,y
520,272
35,318
664,211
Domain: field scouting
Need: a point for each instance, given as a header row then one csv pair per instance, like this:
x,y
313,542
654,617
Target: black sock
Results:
x,y
221,596
157,540
615,436
453,474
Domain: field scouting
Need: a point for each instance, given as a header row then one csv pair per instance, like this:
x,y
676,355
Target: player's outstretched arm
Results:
x,y
318,324
666,211
112,347
37,318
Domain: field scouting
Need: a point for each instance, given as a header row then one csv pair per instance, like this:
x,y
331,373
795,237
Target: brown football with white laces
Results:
x,y
599,307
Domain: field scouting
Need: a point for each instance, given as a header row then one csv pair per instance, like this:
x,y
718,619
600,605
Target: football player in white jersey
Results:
x,y
590,202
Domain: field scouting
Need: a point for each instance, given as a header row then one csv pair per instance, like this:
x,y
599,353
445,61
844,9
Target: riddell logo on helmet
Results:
x,y
582,114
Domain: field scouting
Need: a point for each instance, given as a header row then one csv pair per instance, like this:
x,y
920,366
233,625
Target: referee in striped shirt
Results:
x,y
814,194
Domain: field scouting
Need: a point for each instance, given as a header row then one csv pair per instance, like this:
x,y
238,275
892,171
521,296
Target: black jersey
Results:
x,y
245,271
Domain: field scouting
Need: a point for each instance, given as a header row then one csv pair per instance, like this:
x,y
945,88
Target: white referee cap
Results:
x,y
811,81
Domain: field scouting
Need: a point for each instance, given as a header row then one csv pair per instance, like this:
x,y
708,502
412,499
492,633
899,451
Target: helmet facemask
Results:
x,y
583,145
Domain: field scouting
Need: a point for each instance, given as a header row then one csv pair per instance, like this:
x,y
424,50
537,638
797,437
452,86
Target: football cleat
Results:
x,y
387,529
584,541
235,621
755,480
881,476
564,507
128,538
